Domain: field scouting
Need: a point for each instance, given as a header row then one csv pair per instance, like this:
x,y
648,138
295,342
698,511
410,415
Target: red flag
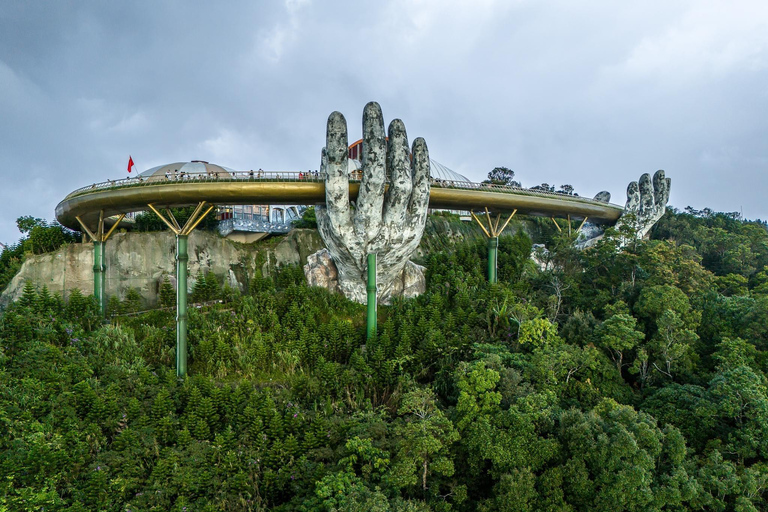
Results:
x,y
130,163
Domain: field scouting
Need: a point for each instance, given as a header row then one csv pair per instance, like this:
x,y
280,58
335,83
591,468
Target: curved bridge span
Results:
x,y
102,200
88,208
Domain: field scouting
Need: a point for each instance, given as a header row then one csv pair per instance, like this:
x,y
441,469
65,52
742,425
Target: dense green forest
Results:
x,y
620,379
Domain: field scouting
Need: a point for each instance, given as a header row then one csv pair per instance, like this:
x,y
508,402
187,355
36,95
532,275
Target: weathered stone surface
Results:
x,y
142,260
321,271
387,222
411,283
646,203
603,197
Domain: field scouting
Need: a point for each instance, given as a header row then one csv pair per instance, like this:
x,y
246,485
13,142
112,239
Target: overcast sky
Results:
x,y
590,93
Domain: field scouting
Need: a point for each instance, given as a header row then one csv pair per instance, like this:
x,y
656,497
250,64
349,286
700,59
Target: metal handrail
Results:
x,y
291,176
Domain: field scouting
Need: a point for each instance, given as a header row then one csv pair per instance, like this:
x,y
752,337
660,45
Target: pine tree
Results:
x,y
28,295
45,300
133,301
212,287
167,293
114,306
200,290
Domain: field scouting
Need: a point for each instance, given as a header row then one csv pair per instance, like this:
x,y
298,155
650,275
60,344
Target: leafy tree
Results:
x,y
544,187
502,176
615,458
307,220
425,439
742,407
26,223
48,238
472,397
618,335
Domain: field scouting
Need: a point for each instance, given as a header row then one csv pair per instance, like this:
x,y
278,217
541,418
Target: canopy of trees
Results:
x,y
626,379
502,176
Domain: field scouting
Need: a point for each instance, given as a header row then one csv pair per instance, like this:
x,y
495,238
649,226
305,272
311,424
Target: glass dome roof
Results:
x,y
440,172
437,170
193,167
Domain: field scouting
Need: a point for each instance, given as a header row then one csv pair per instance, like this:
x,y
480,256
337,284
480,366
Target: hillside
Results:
x,y
620,380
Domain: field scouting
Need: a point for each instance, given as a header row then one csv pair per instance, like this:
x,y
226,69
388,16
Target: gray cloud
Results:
x,y
591,94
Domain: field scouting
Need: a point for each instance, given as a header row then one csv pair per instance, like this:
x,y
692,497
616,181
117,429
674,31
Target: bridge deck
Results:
x,y
115,197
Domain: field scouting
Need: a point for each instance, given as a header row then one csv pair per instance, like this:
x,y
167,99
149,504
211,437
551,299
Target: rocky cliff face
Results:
x,y
142,260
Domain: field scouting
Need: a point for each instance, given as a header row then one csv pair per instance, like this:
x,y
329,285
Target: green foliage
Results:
x,y
133,301
27,223
502,176
206,288
167,293
149,221
307,220
616,380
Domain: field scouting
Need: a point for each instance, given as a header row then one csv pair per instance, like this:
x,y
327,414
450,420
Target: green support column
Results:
x,y
493,252
181,305
493,232
182,258
99,260
98,275
371,323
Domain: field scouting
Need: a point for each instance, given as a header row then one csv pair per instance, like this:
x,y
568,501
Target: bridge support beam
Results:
x,y
99,271
99,239
493,259
182,259
371,327
493,232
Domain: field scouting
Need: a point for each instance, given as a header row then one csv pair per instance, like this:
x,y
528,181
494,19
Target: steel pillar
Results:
x,y
99,239
493,253
182,258
493,232
371,288
99,279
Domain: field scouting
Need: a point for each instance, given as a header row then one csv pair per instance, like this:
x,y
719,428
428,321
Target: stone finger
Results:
x,y
420,194
660,189
400,180
646,195
633,197
603,196
371,197
335,169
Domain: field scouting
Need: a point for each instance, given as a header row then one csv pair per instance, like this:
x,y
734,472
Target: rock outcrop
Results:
x,y
321,271
142,260
646,203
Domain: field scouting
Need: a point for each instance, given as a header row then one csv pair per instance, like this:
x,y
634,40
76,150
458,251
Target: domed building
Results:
x,y
242,223
186,170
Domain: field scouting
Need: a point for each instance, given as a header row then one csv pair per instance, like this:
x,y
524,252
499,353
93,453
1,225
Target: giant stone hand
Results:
x,y
646,203
391,209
